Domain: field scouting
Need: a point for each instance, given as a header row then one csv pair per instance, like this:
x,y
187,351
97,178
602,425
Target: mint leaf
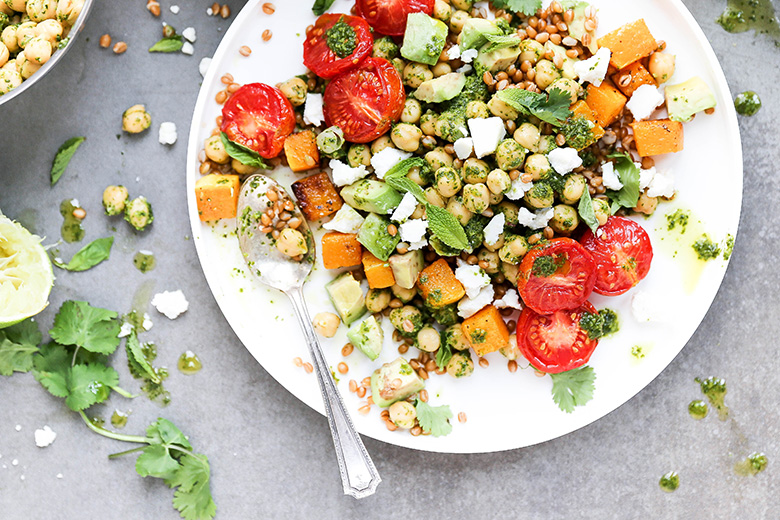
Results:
x,y
320,6
156,461
90,384
18,344
500,42
434,419
628,173
63,157
404,184
552,108
573,388
585,209
401,169
89,256
243,154
446,227
168,44
193,498
91,328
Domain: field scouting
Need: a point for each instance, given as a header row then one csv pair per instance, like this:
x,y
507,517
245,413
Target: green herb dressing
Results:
x,y
747,103
119,419
756,15
698,409
71,230
144,261
753,464
189,363
670,482
714,389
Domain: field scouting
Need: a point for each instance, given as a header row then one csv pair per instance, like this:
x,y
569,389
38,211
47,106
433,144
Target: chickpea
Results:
x,y
514,249
510,155
51,30
8,37
537,165
40,10
428,339
460,365
477,109
438,158
475,170
415,175
403,414
528,136
16,5
441,68
27,68
4,54
569,86
9,80
241,168
463,5
510,211
295,90
602,210
457,20
419,211
385,48
476,197
661,66
459,211
114,199
511,351
38,50
574,185
326,323
380,143
406,137
546,144
447,181
511,272
68,10
215,150
138,213
530,50
501,109
495,198
491,259
453,337
291,242
428,123
402,293
377,300
359,154
25,33
412,111
646,204
546,73
433,197
136,119
399,64
540,196
407,320
415,73
442,11
498,181
11,66
565,219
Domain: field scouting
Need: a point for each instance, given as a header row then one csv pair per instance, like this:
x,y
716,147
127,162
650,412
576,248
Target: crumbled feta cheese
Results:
x,y
22,477
386,159
469,306
312,110
125,329
468,56
465,69
18,427
595,68
15,462
518,189
59,475
473,278
535,220
510,300
203,67
645,176
646,307
419,244
344,174
405,208
453,52
187,48
209,11
463,147
346,220
661,185
564,160
494,229
175,9
413,230
189,34
463,130
147,323
172,304
44,437
609,177
644,101
167,133
486,134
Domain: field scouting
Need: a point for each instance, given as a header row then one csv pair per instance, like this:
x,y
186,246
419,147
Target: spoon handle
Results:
x,y
358,474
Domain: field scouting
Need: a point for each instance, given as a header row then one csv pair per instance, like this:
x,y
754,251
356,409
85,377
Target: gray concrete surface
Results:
x,y
271,456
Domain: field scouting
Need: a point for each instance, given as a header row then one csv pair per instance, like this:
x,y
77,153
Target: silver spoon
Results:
x,y
358,474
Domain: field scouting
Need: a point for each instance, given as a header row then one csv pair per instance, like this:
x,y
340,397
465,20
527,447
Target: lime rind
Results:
x,y
26,275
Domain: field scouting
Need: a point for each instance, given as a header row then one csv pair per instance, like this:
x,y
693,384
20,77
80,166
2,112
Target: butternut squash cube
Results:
x,y
301,151
217,196
629,43
438,285
657,137
340,250
486,331
317,196
606,101
379,274
637,76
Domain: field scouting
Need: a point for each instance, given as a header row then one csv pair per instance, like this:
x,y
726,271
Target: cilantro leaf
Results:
x,y
526,7
156,461
64,155
89,256
573,388
168,44
434,419
52,369
90,384
18,345
443,355
585,209
193,498
136,360
552,108
91,328
164,431
628,173
243,154
446,227
320,6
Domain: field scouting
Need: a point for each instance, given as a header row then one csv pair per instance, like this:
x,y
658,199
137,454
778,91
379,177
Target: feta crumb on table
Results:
x,y
171,304
386,159
175,9
486,133
203,67
167,133
187,48
189,34
346,220
312,110
125,329
44,437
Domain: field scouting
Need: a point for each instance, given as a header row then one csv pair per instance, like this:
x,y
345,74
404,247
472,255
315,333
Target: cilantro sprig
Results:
x,y
434,419
18,345
573,388
628,173
552,108
526,7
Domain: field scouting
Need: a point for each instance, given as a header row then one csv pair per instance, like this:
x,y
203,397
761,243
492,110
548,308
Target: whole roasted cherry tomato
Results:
x,y
622,252
259,117
389,16
555,342
557,275
364,102
335,43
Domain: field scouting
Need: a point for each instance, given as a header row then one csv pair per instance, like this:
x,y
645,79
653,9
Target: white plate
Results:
x,y
504,410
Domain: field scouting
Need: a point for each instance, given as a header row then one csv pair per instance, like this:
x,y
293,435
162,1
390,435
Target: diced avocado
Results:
x,y
373,196
577,25
472,36
424,38
407,267
347,297
567,69
498,59
374,236
442,88
367,336
687,98
393,382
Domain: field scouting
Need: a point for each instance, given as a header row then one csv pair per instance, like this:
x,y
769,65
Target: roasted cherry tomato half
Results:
x,y
335,43
364,102
389,16
555,342
557,275
622,252
259,117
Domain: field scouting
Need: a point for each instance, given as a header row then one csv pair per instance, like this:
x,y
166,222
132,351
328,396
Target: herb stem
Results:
x,y
188,452
126,452
123,392
111,435
73,361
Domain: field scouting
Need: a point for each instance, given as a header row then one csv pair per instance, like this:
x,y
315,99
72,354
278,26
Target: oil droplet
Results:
x,y
98,421
744,15
714,388
670,482
119,419
753,464
698,409
71,230
189,363
144,261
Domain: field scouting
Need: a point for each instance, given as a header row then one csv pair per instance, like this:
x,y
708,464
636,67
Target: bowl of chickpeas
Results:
x,y
34,36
